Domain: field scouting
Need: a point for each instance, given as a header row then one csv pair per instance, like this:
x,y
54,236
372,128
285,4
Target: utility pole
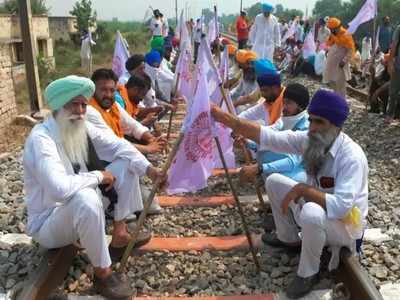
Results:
x,y
176,12
241,5
29,46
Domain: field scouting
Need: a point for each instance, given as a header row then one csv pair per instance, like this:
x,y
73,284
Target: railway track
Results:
x,y
55,264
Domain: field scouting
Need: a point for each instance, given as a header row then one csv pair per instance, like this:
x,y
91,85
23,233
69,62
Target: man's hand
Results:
x,y
294,195
156,146
149,119
108,179
218,114
342,64
239,141
156,175
248,173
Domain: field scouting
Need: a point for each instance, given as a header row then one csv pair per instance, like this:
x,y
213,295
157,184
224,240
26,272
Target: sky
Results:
x,y
126,10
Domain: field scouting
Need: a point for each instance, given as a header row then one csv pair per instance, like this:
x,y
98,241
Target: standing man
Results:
x,y
323,34
156,24
337,71
198,32
385,35
264,34
242,29
394,72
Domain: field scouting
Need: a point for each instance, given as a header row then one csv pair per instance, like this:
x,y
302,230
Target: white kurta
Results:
x,y
257,113
63,206
129,125
165,79
347,169
265,36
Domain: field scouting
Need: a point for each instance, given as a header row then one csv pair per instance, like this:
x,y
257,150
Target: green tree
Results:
x,y
38,7
85,15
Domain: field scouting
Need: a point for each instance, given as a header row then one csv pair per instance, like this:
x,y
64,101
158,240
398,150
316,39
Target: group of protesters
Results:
x,y
83,164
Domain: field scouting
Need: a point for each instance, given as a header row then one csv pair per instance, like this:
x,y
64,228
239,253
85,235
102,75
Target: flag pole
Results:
x,y
372,70
172,113
148,203
247,155
238,205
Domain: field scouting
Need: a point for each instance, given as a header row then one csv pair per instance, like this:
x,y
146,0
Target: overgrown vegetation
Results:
x,y
85,15
38,7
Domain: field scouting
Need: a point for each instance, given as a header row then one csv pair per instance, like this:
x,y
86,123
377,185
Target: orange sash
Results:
x,y
130,107
275,108
111,117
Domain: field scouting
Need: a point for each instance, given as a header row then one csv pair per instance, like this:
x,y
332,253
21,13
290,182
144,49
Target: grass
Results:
x,y
68,61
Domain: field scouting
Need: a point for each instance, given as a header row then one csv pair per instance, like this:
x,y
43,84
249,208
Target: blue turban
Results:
x,y
330,106
153,58
270,79
264,66
267,7
63,90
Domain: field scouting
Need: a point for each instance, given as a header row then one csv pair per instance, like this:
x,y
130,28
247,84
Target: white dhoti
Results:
x,y
317,230
82,217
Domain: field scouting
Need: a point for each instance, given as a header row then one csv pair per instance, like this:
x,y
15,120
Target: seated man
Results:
x,y
247,83
269,110
104,113
331,209
63,176
294,117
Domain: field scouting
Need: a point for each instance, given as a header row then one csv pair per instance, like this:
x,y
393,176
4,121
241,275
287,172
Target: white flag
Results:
x,y
309,47
367,12
182,34
121,55
194,162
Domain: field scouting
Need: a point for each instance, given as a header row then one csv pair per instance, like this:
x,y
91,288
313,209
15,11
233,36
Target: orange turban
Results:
x,y
333,23
245,56
231,49
343,39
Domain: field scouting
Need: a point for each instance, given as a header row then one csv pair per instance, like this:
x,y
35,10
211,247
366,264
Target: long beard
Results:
x,y
317,149
73,137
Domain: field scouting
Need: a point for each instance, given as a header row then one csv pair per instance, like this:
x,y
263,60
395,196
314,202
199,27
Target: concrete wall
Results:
x,y
8,106
62,27
11,29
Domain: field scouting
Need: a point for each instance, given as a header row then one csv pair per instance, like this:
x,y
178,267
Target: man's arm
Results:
x,y
248,99
278,141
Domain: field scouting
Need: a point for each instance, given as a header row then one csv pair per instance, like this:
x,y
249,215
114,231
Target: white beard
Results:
x,y
73,137
317,149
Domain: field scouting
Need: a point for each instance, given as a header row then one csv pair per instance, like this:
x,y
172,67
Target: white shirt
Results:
x,y
265,36
257,113
129,125
156,26
49,178
346,164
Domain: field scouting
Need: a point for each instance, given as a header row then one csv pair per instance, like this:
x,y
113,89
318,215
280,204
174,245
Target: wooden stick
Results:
x,y
247,155
148,203
172,113
239,205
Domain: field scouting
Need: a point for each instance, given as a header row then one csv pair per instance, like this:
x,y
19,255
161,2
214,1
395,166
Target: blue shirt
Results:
x,y
385,38
289,165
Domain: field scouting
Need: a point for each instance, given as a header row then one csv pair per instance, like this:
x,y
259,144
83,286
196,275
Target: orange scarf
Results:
x,y
111,117
130,107
275,108
343,39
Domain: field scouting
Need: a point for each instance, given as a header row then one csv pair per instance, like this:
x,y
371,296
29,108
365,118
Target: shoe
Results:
x,y
116,253
271,239
155,208
300,286
113,287
269,223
